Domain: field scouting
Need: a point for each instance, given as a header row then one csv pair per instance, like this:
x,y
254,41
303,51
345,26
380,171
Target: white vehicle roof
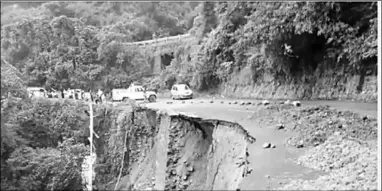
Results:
x,y
35,88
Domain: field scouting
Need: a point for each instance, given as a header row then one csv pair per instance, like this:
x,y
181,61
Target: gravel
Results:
x,y
351,165
315,123
340,143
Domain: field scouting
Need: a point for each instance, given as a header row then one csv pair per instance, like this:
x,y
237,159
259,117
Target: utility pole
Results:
x,y
90,188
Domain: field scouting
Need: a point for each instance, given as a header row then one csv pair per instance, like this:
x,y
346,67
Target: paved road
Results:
x,y
272,162
362,108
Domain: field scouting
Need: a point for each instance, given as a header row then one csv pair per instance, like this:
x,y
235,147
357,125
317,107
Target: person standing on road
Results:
x,y
103,98
99,94
144,94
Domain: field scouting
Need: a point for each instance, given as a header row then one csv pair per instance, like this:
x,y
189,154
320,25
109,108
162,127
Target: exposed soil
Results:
x,y
315,123
340,143
170,151
351,164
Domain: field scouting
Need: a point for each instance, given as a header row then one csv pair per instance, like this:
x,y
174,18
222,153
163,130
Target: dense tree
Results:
x,y
285,39
68,45
77,44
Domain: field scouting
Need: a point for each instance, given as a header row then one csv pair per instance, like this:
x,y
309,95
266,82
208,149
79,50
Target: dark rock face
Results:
x,y
326,86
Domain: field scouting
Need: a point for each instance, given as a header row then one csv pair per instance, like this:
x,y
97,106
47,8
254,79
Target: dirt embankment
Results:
x,y
169,151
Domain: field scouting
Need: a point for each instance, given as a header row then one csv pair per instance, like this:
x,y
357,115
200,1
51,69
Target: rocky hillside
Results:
x,y
282,51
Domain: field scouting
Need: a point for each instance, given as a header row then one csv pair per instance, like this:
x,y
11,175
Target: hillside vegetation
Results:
x,y
79,44
284,50
276,48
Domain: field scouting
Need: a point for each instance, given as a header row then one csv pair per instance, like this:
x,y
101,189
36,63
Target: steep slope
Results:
x,y
169,151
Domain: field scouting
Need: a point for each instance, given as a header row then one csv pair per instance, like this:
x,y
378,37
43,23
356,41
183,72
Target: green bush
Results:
x,y
46,168
43,144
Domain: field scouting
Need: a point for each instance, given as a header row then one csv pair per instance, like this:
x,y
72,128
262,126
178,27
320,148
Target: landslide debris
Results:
x,y
351,165
341,143
314,124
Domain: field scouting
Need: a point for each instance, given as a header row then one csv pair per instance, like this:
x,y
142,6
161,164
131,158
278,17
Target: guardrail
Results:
x,y
161,40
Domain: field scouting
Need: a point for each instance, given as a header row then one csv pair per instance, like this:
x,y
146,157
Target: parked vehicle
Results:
x,y
181,91
135,92
37,92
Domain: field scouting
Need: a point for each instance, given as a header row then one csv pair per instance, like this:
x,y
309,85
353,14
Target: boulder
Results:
x,y
296,103
280,126
266,145
265,102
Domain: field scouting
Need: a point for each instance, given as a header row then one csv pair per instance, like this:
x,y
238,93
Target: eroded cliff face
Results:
x,y
163,151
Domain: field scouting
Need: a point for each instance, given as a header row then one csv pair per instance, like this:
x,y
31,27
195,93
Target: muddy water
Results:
x,y
272,167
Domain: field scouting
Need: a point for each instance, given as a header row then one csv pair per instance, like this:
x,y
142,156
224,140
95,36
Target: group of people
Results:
x,y
97,97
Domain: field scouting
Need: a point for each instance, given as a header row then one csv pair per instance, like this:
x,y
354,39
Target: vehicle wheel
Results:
x,y
125,99
152,98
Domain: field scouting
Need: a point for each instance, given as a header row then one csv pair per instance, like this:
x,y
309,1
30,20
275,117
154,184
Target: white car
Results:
x,y
37,92
133,92
181,91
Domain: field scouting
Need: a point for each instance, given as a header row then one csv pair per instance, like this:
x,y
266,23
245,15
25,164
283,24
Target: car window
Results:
x,y
186,88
